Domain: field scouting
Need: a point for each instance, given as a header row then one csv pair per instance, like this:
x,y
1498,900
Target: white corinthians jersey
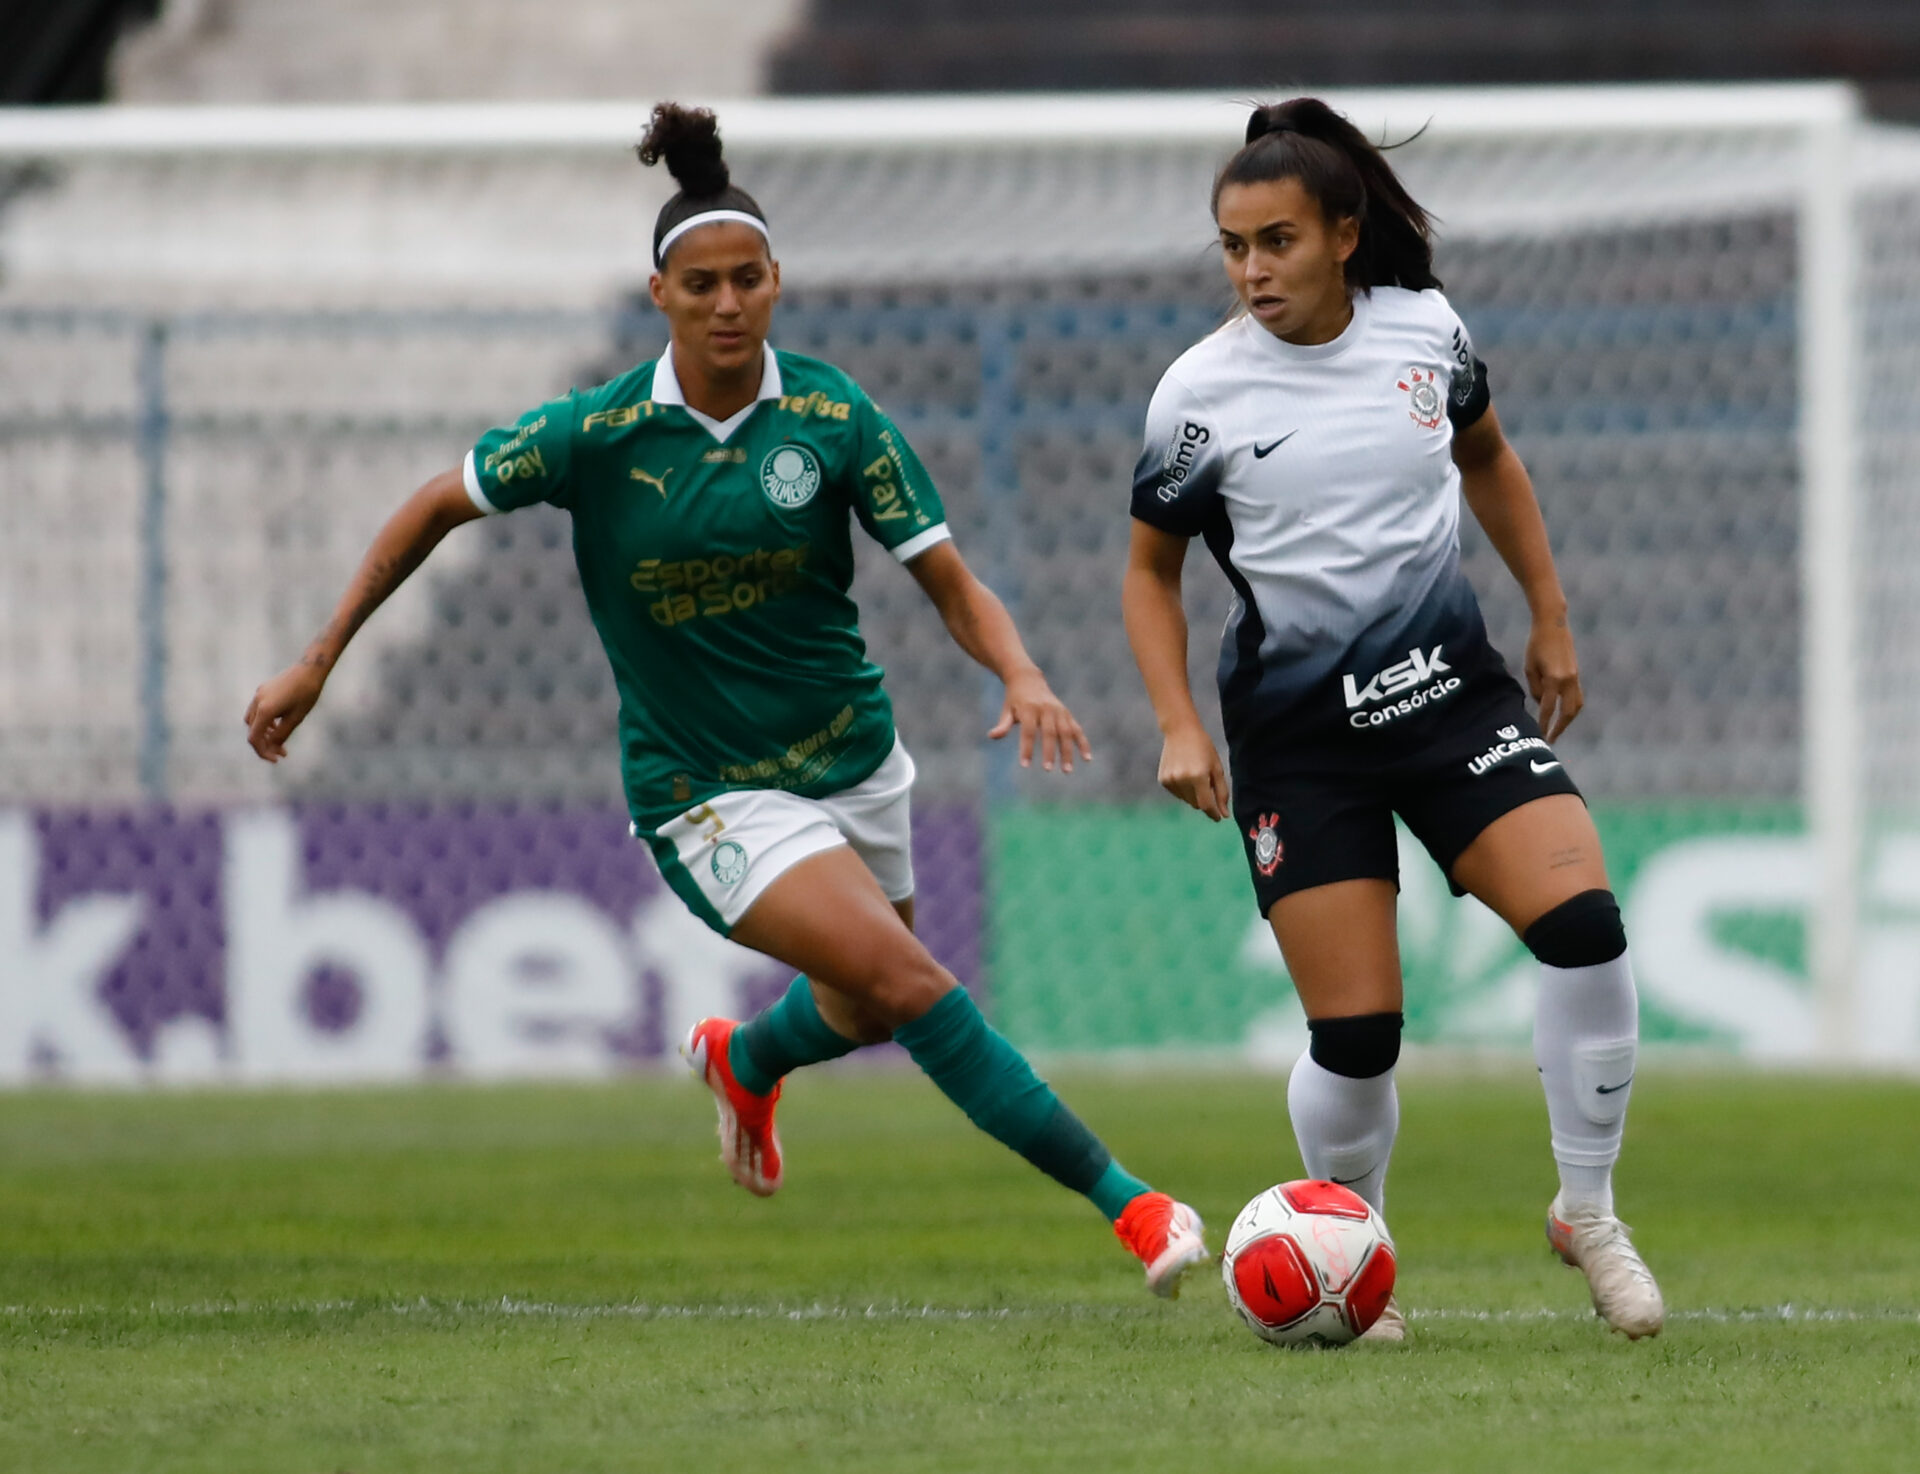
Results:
x,y
1322,479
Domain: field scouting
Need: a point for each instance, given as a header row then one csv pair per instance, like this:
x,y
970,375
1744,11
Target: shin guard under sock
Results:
x,y
1345,1127
782,1037
1585,1040
992,1082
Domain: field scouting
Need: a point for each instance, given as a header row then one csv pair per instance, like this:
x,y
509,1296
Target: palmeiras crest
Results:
x,y
790,476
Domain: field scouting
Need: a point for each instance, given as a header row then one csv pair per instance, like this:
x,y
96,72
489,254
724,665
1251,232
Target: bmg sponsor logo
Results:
x,y
1181,455
1424,673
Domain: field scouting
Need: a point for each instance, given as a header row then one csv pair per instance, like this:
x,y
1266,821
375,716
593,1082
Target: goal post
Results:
x,y
1833,792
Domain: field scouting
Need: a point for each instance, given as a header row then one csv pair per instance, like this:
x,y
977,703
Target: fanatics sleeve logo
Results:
x,y
790,476
1424,403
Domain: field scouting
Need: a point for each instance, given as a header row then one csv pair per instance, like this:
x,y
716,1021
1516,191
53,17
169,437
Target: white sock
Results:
x,y
1586,1034
1345,1127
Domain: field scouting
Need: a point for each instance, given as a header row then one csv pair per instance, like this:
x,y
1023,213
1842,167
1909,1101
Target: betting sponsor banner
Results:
x,y
1135,929
370,942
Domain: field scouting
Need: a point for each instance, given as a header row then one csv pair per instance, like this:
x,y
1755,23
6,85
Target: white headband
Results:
x,y
708,217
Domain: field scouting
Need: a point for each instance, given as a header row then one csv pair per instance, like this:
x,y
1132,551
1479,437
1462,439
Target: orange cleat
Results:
x,y
748,1143
1166,1236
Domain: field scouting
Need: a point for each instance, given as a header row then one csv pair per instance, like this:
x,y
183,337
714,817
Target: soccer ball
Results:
x,y
1308,1263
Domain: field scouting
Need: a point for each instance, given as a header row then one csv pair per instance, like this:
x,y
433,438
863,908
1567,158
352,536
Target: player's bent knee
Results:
x,y
1359,1047
899,984
869,1027
849,1016
1585,931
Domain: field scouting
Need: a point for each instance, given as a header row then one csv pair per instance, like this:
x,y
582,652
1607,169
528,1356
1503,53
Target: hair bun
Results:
x,y
1273,118
688,139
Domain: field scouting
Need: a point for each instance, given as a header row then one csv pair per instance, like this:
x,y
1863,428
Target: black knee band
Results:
x,y
1358,1047
1583,932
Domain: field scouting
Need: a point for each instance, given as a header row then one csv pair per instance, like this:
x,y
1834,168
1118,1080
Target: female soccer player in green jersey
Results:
x,y
712,493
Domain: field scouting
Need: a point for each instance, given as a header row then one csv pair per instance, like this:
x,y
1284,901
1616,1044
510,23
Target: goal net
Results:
x,y
230,340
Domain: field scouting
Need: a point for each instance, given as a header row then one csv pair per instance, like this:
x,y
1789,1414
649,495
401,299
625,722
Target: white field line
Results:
x,y
507,1308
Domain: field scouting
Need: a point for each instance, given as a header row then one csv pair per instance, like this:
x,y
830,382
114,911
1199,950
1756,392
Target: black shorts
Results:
x,y
1311,816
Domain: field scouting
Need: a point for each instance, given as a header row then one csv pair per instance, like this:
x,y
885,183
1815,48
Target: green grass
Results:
x,y
563,1279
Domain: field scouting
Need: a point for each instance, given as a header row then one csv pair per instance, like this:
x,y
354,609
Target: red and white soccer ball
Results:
x,y
1308,1263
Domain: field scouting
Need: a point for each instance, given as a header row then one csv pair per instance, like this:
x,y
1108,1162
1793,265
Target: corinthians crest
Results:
x,y
1423,397
1266,843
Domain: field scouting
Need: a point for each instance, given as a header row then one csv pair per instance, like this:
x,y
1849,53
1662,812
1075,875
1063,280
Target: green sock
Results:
x,y
782,1037
993,1083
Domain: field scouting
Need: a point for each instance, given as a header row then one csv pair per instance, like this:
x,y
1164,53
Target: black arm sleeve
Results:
x,y
1471,396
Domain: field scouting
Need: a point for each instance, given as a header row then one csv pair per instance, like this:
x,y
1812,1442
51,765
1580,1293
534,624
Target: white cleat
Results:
x,y
1624,1293
1391,1328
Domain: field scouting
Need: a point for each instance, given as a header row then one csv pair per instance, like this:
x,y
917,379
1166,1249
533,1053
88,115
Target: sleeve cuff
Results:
x,y
470,475
914,546
1172,526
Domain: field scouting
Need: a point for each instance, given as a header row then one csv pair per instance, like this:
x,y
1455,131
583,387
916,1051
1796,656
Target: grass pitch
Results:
x,y
564,1279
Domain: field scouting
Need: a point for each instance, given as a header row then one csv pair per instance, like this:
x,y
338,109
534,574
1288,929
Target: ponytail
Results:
x,y
1349,179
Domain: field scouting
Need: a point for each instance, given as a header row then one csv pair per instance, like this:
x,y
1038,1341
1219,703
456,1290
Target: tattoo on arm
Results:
x,y
316,655
379,576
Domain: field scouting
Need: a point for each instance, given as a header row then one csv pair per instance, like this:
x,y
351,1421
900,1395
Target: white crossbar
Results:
x,y
1027,120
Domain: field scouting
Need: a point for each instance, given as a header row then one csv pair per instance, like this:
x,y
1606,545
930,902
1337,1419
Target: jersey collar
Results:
x,y
1313,352
666,390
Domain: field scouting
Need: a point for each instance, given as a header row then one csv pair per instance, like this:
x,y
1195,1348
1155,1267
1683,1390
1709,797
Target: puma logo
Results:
x,y
658,483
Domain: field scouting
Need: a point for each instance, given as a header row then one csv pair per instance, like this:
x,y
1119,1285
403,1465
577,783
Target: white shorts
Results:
x,y
721,856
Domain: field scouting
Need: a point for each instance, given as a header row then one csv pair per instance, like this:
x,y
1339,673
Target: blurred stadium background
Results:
x,y
314,249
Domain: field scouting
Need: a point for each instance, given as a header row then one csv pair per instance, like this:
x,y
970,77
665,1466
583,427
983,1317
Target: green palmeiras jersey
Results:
x,y
716,558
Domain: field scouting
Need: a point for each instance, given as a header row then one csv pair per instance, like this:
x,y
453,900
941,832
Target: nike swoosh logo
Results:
x,y
1539,768
1613,1089
1347,1181
1261,452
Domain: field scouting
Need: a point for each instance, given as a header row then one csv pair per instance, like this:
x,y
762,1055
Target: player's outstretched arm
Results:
x,y
1500,494
981,626
1190,767
401,546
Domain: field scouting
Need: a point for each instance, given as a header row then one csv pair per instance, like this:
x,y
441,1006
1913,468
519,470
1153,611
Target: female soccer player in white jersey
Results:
x,y
712,494
1321,443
